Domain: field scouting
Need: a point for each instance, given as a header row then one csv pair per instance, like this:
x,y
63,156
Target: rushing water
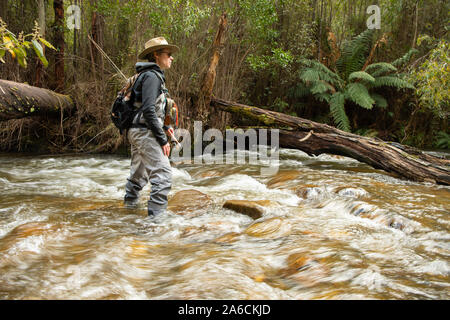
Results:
x,y
334,228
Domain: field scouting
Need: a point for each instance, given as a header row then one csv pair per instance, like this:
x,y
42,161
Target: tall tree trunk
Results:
x,y
41,19
3,8
209,78
58,6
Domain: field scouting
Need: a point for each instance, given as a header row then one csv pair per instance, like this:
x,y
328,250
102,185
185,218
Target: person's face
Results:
x,y
164,59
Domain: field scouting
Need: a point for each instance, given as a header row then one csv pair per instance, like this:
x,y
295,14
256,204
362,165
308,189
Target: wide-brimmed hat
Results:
x,y
156,44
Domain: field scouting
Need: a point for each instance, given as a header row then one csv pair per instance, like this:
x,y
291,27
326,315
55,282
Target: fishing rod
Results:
x,y
107,57
121,73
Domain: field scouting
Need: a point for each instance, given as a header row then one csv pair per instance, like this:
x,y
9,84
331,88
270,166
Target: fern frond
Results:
x,y
380,101
354,54
361,75
299,91
359,94
405,59
377,69
391,81
324,73
337,111
321,87
310,75
323,96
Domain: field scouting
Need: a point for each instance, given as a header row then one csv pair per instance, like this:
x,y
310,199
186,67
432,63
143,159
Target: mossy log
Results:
x,y
19,100
317,138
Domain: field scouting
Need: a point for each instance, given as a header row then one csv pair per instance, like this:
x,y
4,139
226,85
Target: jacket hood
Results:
x,y
142,66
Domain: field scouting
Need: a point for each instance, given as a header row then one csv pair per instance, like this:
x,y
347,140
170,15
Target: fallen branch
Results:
x,y
392,157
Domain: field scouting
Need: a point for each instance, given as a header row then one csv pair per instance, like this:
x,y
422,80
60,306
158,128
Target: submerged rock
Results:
x,y
189,201
270,229
228,238
253,209
351,192
304,269
309,192
282,178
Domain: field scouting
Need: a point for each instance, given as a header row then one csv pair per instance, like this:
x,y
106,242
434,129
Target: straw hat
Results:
x,y
156,44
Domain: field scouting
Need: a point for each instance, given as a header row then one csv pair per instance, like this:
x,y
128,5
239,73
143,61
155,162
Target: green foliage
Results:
x,y
432,80
442,140
17,46
350,82
337,110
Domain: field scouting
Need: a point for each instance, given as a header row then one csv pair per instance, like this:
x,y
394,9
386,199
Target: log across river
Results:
x,y
329,227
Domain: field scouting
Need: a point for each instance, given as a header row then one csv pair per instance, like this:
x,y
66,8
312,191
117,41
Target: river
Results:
x,y
332,228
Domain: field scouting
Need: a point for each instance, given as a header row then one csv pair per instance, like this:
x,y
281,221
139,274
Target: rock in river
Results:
x,y
253,209
188,201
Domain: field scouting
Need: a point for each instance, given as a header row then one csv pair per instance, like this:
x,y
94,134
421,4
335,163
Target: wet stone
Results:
x,y
270,229
188,201
310,192
351,192
283,178
253,209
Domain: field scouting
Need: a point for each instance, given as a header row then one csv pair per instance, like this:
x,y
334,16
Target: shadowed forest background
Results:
x,y
290,56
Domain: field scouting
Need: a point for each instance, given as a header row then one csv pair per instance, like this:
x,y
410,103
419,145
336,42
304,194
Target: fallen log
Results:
x,y
19,100
317,138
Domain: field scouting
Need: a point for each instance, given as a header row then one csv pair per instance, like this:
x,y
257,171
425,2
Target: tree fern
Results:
x,y
405,59
361,75
337,110
359,94
323,72
380,101
391,81
350,81
354,54
310,75
380,68
321,87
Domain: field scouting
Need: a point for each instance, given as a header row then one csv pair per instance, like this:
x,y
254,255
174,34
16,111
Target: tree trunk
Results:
x,y
19,100
40,66
316,138
205,93
3,8
58,6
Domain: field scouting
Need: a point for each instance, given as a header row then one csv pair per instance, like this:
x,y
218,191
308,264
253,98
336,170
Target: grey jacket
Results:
x,y
150,91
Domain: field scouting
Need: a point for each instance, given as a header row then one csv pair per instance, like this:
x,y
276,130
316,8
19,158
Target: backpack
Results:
x,y
122,110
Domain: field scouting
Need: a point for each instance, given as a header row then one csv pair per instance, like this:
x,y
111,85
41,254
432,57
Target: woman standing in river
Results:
x,y
150,147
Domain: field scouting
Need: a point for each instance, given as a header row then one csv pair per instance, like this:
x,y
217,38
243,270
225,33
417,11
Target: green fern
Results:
x,y
361,75
321,87
380,68
337,110
354,54
310,75
391,81
380,101
442,140
359,94
350,82
405,59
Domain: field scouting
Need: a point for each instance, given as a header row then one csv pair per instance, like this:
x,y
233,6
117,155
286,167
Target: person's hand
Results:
x,y
166,149
170,131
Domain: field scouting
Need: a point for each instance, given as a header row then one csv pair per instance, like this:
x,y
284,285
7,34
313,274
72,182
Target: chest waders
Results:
x,y
148,162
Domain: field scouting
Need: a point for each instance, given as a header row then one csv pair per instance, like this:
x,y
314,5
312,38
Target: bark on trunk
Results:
x,y
316,138
19,100
209,79
58,6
